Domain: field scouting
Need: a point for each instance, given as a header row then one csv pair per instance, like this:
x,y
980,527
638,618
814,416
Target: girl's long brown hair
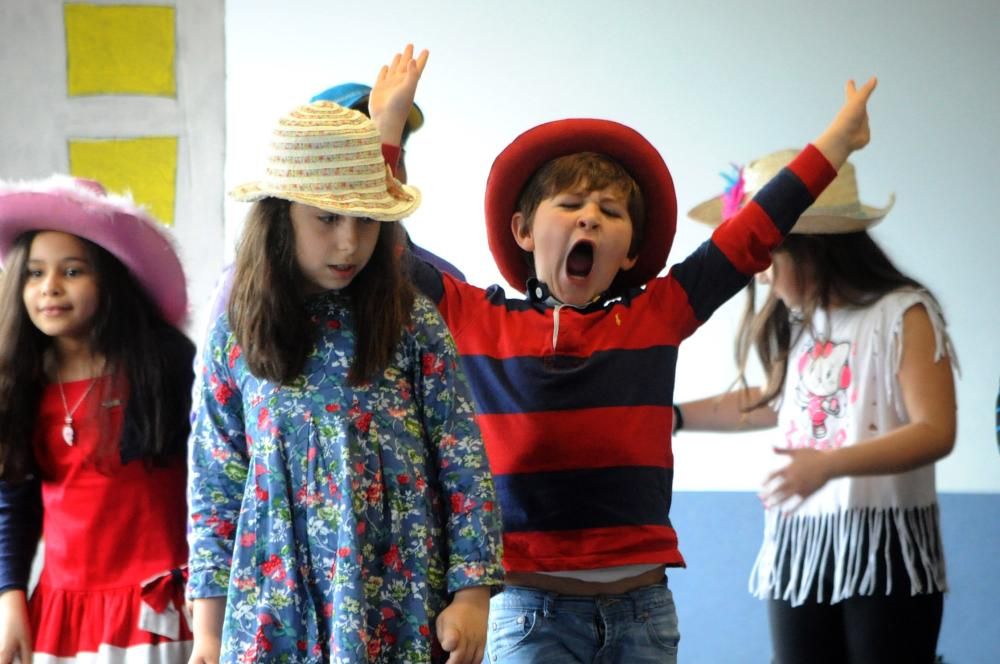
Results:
x,y
127,330
848,269
266,307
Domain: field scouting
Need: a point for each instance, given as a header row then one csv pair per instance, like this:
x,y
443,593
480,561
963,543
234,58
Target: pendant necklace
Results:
x,y
68,434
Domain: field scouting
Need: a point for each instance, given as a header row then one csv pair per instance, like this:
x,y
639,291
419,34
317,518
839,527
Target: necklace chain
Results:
x,y
68,434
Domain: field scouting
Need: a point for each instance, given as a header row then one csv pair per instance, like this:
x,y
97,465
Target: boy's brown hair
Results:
x,y
601,152
591,171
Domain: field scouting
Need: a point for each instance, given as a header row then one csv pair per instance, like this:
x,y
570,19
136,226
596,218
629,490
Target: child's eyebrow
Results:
x,y
585,189
64,259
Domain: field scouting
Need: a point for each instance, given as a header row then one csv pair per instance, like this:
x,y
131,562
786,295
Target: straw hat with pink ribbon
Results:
x,y
327,156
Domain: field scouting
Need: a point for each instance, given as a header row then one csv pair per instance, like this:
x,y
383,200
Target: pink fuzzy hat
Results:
x,y
115,223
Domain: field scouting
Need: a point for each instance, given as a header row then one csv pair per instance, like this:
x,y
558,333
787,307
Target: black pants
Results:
x,y
869,629
859,630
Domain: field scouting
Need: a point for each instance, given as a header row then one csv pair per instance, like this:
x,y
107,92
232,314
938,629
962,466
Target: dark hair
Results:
x,y
847,269
592,171
149,354
267,311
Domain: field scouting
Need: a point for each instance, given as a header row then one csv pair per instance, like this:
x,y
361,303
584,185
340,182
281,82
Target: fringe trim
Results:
x,y
804,544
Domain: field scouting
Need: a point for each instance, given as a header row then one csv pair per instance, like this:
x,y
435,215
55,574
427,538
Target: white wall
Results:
x,y
37,117
708,84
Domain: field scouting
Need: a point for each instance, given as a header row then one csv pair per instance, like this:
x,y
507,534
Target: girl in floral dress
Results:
x,y
95,386
342,509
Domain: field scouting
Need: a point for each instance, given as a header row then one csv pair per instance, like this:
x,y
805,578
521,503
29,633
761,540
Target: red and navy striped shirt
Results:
x,y
575,405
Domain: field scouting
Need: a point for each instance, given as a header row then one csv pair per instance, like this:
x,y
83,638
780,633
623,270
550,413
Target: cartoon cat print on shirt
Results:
x,y
824,376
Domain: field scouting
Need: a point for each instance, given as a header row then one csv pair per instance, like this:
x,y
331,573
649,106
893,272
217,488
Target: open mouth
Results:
x,y
580,260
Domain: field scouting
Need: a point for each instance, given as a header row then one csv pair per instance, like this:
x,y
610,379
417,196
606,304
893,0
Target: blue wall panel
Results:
x,y
721,622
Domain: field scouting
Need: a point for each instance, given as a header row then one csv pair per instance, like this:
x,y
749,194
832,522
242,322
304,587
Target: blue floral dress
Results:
x,y
337,520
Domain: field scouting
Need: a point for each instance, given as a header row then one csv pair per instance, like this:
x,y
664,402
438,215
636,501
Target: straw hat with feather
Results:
x,y
837,210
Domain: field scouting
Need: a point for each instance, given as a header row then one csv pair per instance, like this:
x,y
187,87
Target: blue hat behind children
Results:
x,y
355,95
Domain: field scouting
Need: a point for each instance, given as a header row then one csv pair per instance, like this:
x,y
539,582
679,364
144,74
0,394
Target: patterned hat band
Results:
x,y
330,157
324,152
318,185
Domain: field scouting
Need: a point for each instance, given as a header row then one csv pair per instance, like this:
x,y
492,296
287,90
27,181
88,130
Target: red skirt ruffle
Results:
x,y
132,624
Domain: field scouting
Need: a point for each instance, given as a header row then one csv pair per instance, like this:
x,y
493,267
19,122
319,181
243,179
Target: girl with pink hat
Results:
x,y
95,380
342,509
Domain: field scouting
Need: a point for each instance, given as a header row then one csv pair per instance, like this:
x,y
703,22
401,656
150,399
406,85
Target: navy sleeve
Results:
x,y
20,529
425,277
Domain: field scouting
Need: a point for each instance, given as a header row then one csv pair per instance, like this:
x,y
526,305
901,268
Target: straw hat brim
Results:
x,y
837,210
114,223
814,221
519,161
383,206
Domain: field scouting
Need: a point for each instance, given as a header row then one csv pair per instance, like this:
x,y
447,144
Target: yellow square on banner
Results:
x,y
120,50
147,167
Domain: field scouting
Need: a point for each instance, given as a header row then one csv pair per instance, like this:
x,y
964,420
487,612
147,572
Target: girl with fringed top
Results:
x,y
859,373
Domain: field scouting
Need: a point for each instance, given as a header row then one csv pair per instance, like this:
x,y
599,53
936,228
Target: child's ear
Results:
x,y
629,262
522,232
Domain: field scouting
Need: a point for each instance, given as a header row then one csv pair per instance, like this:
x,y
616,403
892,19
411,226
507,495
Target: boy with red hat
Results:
x,y
574,385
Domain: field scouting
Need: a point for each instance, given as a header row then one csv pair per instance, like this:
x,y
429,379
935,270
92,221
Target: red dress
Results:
x,y
113,535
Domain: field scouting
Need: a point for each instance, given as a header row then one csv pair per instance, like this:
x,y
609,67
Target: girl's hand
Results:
x,y
207,614
806,472
205,651
849,130
461,627
15,629
392,95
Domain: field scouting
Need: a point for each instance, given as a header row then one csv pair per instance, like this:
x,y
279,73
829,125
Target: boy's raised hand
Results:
x,y
392,95
849,130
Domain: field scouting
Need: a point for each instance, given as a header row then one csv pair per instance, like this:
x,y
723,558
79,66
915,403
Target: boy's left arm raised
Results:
x,y
741,246
849,131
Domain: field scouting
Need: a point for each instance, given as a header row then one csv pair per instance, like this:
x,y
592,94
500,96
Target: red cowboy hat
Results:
x,y
534,148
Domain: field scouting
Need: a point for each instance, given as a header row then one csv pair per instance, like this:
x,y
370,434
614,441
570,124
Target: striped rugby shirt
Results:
x,y
575,405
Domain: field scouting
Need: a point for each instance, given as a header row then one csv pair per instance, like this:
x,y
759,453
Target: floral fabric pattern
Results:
x,y
336,520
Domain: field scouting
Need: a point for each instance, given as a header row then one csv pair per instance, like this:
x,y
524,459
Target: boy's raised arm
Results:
x,y
392,95
849,130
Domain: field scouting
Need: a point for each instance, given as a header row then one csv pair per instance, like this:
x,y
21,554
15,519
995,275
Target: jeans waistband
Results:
x,y
636,602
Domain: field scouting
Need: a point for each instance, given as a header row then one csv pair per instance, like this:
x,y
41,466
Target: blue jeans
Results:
x,y
530,626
